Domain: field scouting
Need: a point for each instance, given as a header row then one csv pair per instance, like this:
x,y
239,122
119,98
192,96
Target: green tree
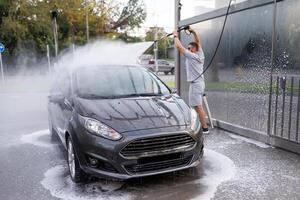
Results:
x,y
163,42
26,24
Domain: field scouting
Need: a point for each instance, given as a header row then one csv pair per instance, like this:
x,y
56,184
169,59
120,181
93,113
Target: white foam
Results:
x,y
217,169
61,186
34,139
248,140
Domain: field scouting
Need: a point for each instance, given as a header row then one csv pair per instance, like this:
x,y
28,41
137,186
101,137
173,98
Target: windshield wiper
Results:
x,y
150,94
140,95
95,96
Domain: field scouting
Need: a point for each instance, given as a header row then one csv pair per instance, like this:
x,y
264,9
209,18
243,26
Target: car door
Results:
x,y
164,65
53,105
64,106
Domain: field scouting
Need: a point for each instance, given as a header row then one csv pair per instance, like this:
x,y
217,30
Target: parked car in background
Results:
x,y
122,122
163,66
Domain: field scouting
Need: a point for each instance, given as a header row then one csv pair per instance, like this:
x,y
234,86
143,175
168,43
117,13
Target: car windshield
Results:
x,y
115,82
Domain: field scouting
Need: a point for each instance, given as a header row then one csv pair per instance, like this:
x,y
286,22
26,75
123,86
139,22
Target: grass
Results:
x,y
170,84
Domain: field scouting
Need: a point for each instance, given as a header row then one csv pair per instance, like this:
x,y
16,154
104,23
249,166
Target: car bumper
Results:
x,y
113,164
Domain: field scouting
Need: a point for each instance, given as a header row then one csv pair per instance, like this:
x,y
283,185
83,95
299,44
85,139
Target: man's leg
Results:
x,y
199,109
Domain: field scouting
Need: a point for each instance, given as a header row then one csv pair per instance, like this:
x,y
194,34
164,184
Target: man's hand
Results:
x,y
196,36
191,30
177,42
175,33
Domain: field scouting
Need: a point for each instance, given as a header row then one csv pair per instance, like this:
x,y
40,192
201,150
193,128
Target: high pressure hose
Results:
x,y
218,45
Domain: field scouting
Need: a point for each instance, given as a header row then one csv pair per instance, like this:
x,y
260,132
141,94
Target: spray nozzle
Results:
x,y
185,28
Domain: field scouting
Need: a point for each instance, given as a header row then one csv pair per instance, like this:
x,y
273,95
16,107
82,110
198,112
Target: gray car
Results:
x,y
163,66
122,122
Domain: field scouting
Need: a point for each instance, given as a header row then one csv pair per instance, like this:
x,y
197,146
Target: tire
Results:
x,y
166,73
172,71
76,173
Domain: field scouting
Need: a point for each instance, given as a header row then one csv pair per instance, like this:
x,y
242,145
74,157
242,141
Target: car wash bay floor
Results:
x,y
233,167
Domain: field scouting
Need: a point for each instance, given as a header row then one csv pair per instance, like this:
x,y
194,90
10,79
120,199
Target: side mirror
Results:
x,y
56,98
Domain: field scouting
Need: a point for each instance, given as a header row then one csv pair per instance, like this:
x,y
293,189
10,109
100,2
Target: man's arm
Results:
x,y
196,37
178,44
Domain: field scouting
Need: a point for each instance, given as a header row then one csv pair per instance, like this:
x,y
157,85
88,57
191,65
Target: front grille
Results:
x,y
152,164
158,144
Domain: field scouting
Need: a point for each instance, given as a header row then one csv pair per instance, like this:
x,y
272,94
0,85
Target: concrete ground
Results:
x,y
34,167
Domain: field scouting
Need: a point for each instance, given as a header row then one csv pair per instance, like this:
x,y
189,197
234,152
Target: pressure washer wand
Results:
x,y
185,28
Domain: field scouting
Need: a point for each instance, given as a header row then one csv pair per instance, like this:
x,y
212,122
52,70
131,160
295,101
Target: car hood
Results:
x,y
130,114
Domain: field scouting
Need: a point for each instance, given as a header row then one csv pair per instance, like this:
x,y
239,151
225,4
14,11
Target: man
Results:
x,y
194,60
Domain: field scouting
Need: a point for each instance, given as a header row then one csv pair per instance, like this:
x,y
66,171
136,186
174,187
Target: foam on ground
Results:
x,y
217,169
60,185
34,139
248,140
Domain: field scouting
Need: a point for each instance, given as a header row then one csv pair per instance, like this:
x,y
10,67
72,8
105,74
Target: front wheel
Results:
x,y
172,71
76,173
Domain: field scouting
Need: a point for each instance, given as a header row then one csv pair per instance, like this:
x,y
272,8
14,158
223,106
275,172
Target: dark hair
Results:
x,y
194,44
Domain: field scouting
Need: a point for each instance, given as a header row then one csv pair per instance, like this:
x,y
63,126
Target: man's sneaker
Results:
x,y
205,130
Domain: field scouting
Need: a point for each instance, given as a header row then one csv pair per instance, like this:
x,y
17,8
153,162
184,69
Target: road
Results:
x,y
34,167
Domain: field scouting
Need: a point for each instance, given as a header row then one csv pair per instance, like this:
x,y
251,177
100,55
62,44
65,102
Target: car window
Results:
x,y
113,82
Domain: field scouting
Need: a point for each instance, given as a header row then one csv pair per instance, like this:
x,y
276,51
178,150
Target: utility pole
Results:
x,y
48,57
155,49
1,66
54,15
87,21
2,48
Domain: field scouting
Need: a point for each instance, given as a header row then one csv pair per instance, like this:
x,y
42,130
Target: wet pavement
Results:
x,y
32,166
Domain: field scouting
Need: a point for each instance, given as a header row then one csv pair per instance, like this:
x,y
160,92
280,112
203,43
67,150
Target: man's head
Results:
x,y
193,47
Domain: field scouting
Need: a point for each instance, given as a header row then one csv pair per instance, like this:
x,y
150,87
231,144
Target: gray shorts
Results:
x,y
196,92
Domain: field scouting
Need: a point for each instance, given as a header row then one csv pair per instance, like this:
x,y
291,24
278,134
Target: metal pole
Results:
x,y
87,21
177,56
48,57
272,66
156,50
55,34
1,65
73,49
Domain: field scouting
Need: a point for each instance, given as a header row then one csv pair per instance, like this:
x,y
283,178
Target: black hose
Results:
x,y
218,45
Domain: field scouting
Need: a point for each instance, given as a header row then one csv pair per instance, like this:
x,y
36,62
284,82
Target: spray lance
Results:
x,y
185,28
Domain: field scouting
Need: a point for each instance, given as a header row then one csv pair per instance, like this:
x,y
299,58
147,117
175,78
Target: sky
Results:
x,y
160,13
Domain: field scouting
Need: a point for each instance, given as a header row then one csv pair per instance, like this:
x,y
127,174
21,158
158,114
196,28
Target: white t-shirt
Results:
x,y
194,65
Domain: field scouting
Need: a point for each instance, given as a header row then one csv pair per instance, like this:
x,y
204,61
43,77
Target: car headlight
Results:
x,y
100,129
195,124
